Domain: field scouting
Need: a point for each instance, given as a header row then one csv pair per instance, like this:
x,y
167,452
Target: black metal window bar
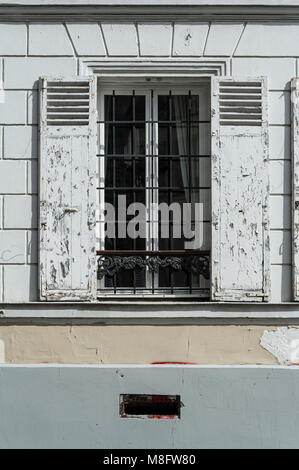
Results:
x,y
151,155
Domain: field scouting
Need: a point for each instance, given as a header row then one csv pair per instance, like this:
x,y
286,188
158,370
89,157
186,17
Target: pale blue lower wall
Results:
x,y
46,406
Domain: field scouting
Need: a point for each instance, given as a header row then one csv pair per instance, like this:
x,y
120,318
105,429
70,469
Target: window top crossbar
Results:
x,y
153,121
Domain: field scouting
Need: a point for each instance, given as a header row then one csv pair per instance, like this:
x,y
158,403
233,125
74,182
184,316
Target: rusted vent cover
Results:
x,y
150,406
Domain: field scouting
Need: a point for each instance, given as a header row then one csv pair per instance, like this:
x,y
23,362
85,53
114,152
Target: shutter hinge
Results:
x,y
70,210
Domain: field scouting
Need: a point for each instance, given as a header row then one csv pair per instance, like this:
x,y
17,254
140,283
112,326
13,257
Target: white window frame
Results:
x,y
144,87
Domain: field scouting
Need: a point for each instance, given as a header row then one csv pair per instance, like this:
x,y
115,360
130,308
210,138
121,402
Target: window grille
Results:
x,y
149,151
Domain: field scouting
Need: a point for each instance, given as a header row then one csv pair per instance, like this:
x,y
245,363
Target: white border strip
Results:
x,y
150,311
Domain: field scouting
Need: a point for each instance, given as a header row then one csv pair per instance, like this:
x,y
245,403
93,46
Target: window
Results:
x,y
153,164
155,146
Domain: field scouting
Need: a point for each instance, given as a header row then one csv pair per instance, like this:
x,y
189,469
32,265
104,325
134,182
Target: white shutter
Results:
x,y
68,189
240,258
295,192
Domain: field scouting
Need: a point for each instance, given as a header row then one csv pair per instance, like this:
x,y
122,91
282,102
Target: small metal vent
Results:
x,y
240,103
68,103
150,406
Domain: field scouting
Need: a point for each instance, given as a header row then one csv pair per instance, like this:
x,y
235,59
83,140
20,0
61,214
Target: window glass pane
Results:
x,y
125,173
123,108
179,134
124,131
179,172
172,170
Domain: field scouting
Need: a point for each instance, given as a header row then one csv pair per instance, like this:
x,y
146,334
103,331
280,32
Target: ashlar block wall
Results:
x,y
28,51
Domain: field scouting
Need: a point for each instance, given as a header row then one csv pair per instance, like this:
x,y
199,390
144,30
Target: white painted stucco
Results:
x,y
283,343
248,38
57,49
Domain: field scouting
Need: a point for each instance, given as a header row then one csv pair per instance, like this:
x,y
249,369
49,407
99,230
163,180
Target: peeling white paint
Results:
x,y
283,343
295,192
240,190
68,194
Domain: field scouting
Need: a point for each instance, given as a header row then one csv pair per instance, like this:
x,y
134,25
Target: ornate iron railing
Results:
x,y
110,263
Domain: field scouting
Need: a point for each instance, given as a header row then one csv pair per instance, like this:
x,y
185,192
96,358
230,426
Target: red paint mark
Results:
x,y
162,416
171,362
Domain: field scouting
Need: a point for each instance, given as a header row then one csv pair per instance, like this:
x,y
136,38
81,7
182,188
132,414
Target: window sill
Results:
x,y
149,312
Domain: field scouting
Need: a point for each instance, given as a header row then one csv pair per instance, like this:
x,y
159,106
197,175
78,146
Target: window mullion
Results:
x,y
155,180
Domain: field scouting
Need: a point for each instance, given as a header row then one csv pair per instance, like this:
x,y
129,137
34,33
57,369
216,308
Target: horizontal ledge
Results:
x,y
126,9
164,3
125,366
150,311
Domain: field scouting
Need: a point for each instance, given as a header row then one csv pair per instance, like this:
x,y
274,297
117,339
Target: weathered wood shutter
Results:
x,y
240,258
68,189
295,191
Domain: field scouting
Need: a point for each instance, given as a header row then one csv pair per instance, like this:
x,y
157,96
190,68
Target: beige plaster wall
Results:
x,y
133,344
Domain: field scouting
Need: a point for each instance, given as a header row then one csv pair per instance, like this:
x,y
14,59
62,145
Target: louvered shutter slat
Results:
x,y
68,103
235,103
68,189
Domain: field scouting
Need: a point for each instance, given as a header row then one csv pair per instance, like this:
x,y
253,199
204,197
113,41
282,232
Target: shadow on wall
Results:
x,y
33,237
